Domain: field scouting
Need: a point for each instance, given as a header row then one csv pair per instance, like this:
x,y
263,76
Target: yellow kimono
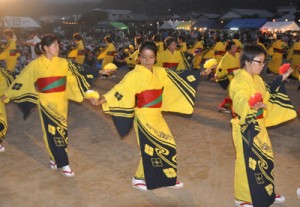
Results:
x,y
160,46
196,50
219,51
208,54
141,97
294,55
173,61
107,54
5,80
77,52
226,66
277,49
50,84
238,44
182,47
9,54
263,46
254,164
132,60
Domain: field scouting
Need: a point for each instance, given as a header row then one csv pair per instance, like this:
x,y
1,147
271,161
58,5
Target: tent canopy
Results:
x,y
246,23
210,24
19,22
184,25
169,25
289,25
119,25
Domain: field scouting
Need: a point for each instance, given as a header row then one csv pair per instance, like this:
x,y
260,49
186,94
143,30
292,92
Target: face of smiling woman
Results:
x,y
255,66
147,58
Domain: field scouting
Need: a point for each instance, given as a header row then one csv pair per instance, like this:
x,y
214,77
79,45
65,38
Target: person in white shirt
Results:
x,y
33,39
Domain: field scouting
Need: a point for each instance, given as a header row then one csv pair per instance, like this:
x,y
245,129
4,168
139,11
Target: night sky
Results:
x,y
46,7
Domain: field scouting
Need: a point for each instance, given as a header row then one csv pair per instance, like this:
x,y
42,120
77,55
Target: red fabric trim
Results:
x,y
148,96
43,82
169,65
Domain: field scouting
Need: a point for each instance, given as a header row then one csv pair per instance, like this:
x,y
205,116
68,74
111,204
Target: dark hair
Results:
x,y
217,38
47,40
108,39
228,45
77,37
236,36
250,52
9,33
199,38
168,41
182,38
138,40
156,38
149,46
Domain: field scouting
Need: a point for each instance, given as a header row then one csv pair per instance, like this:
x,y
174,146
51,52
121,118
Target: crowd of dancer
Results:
x,y
163,76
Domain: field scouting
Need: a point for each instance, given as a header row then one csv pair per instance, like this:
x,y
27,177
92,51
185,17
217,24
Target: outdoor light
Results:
x,y
286,20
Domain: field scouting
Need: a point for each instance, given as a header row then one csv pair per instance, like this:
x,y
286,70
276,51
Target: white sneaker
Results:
x,y
177,185
2,149
66,171
279,199
139,184
242,203
53,165
298,192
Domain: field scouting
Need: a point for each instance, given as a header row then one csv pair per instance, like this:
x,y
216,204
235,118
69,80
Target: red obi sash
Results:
x,y
80,52
51,84
296,52
230,70
220,52
278,50
149,99
170,65
12,52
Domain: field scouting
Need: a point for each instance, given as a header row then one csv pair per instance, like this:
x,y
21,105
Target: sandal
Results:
x,y
242,203
139,184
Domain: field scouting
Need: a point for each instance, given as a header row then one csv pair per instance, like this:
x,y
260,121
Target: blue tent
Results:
x,y
246,23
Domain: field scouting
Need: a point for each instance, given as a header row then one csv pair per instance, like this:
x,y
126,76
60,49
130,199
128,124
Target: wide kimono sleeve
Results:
x,y
179,90
22,90
239,92
77,84
120,103
279,107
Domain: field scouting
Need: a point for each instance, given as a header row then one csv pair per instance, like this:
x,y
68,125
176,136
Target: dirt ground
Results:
x,y
104,164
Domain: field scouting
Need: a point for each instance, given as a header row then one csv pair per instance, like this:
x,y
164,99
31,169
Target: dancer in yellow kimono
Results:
x,y
49,82
8,52
276,50
77,52
140,98
108,53
197,51
5,80
294,56
236,40
159,43
256,105
172,58
224,73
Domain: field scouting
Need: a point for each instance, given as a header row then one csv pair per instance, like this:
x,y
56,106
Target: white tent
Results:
x,y
280,26
19,22
170,25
